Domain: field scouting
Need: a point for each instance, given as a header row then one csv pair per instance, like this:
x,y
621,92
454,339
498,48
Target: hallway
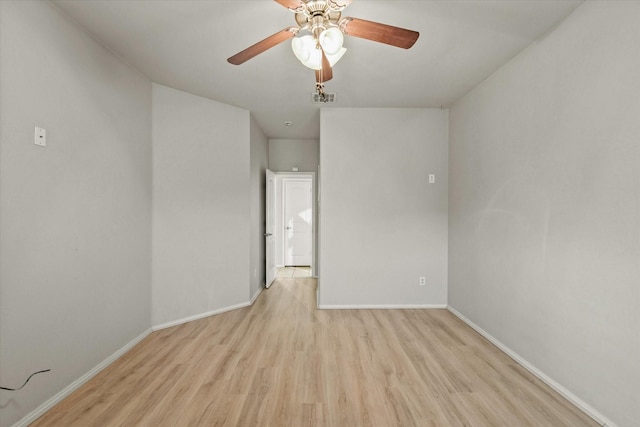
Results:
x,y
294,272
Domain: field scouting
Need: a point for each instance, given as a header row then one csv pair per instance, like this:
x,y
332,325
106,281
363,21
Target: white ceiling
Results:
x,y
184,44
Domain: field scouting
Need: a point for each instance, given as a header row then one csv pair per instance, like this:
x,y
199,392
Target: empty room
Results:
x,y
320,213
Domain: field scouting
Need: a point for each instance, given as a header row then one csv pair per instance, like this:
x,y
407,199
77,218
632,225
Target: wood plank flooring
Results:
x,y
281,362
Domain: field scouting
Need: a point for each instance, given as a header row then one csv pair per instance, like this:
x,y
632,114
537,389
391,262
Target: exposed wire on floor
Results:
x,y
25,383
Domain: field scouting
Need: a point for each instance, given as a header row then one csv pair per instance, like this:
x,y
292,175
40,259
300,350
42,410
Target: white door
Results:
x,y
270,214
298,216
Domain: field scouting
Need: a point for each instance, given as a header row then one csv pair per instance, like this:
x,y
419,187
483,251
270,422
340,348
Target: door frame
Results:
x,y
269,242
307,181
279,231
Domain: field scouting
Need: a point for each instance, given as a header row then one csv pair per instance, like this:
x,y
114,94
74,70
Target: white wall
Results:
x,y
201,205
545,206
259,163
284,154
382,225
75,272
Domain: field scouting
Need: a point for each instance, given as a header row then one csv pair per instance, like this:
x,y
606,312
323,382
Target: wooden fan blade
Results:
x,y
290,4
263,45
326,73
382,33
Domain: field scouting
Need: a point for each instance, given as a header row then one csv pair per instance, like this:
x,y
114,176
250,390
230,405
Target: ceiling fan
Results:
x,y
323,27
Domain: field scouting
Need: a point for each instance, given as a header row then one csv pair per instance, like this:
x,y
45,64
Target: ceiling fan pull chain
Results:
x,y
320,92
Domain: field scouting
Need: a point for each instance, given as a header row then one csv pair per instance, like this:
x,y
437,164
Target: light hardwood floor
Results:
x,y
294,272
281,362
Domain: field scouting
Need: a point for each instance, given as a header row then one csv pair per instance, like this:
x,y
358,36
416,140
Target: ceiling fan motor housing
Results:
x,y
318,15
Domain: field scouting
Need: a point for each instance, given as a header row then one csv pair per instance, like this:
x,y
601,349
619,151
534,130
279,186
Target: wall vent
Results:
x,y
330,98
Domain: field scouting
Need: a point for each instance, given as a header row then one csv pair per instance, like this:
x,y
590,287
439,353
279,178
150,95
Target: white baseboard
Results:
x,y
40,410
200,316
380,306
257,293
579,403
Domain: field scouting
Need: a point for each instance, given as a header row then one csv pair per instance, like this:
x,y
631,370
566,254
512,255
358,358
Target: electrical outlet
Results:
x,y
40,137
423,281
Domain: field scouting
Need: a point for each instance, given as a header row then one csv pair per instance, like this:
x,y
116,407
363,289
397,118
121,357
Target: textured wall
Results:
x,y
75,217
287,153
201,205
259,163
382,225
545,206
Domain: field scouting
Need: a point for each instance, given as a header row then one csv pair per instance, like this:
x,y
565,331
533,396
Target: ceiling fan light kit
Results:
x,y
331,40
320,46
305,49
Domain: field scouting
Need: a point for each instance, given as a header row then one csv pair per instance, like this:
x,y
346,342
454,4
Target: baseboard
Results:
x,y
200,316
579,403
42,409
257,293
380,306
210,313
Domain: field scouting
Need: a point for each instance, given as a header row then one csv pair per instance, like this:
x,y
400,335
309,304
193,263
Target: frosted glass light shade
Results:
x,y
307,52
331,40
333,59
303,48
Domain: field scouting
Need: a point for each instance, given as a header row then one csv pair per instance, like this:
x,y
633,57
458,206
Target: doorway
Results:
x,y
292,235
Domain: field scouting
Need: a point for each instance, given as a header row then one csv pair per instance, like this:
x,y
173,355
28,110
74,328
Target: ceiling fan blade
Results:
x,y
382,33
263,45
290,4
326,73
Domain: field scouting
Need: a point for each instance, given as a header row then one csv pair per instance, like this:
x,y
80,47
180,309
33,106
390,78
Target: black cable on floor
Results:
x,y
25,383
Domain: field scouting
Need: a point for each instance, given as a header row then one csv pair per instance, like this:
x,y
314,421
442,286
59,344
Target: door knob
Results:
x,y
267,234
288,228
